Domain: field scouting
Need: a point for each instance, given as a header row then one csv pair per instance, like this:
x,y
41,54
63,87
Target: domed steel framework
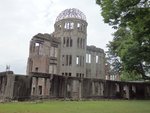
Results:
x,y
71,13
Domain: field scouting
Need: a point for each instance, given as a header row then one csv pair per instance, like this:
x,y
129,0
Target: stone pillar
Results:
x,y
4,78
71,89
93,88
48,87
36,86
147,92
45,87
74,89
126,89
65,88
9,86
101,89
80,89
134,88
117,88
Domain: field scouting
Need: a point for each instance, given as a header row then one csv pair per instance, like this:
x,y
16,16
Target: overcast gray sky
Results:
x,y
22,19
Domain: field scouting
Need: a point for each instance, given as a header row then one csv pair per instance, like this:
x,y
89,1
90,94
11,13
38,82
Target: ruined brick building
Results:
x,y
65,51
62,65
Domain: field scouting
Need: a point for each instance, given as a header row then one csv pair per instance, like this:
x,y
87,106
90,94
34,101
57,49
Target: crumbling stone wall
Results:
x,y
93,88
3,82
19,87
22,87
6,85
14,87
44,54
95,62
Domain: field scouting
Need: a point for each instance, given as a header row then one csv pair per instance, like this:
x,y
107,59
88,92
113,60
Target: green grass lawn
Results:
x,y
102,106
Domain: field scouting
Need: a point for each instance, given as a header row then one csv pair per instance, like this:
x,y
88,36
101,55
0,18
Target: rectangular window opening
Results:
x,y
66,74
70,60
70,74
96,59
89,58
80,75
66,26
37,44
40,90
67,45
36,69
66,60
71,26
78,25
63,58
64,41
77,74
33,90
59,26
77,60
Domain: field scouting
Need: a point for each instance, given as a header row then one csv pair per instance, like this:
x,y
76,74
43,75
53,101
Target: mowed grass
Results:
x,y
101,106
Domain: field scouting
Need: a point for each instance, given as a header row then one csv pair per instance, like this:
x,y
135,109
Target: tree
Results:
x,y
114,63
131,42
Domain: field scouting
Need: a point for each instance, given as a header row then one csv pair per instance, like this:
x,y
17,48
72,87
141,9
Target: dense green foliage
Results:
x,y
112,106
132,76
131,42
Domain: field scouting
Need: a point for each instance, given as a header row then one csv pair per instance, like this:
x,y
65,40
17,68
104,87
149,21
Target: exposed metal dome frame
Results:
x,y
71,13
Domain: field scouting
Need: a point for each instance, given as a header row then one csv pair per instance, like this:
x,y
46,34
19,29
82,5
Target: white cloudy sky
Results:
x,y
22,19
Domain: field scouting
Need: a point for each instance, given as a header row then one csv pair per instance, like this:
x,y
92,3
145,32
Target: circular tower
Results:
x,y
71,28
